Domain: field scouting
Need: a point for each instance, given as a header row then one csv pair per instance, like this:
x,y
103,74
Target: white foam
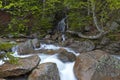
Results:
x,y
67,73
72,51
50,46
1,62
65,69
63,37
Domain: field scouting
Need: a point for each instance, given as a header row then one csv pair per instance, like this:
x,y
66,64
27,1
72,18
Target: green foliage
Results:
x,y
6,46
7,56
43,13
114,4
78,21
18,25
0,4
10,58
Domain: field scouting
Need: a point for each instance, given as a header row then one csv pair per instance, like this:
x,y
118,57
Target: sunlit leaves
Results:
x,y
0,4
114,4
10,58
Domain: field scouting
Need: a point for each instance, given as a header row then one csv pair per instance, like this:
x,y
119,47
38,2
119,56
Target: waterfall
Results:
x,y
65,69
61,28
63,37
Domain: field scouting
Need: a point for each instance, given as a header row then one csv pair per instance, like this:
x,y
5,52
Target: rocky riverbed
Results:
x,y
75,60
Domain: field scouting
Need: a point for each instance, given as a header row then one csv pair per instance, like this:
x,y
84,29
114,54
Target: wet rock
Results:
x,y
45,71
113,48
88,66
36,43
24,66
21,77
25,48
28,46
65,56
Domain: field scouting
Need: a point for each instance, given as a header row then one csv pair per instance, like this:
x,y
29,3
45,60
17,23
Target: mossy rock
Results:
x,y
5,46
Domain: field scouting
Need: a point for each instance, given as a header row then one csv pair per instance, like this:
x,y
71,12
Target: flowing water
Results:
x,y
65,69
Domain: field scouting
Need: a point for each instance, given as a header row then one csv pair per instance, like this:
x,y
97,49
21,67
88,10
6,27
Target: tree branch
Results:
x,y
88,37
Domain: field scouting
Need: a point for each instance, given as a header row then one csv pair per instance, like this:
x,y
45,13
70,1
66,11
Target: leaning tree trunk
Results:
x,y
98,27
100,34
95,18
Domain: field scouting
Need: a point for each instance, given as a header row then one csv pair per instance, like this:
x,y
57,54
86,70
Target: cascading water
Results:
x,y
63,37
65,69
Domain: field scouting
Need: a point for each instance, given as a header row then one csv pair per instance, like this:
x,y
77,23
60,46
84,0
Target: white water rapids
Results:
x,y
65,69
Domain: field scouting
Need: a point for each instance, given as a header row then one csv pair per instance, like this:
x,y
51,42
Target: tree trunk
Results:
x,y
95,18
88,37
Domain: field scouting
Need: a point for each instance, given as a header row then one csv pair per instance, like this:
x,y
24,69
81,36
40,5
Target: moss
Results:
x,y
6,55
5,46
108,64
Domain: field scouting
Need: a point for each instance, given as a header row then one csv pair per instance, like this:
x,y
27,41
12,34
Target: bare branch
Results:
x,y
88,37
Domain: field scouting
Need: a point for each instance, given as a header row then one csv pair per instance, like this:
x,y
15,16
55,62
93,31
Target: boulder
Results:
x,y
28,46
112,25
68,42
36,43
21,77
86,46
84,64
45,71
24,66
25,48
113,48
83,46
88,66
105,41
108,68
65,56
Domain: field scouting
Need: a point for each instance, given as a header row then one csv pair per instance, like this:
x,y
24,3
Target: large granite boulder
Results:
x,y
28,46
97,65
24,66
45,71
108,68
